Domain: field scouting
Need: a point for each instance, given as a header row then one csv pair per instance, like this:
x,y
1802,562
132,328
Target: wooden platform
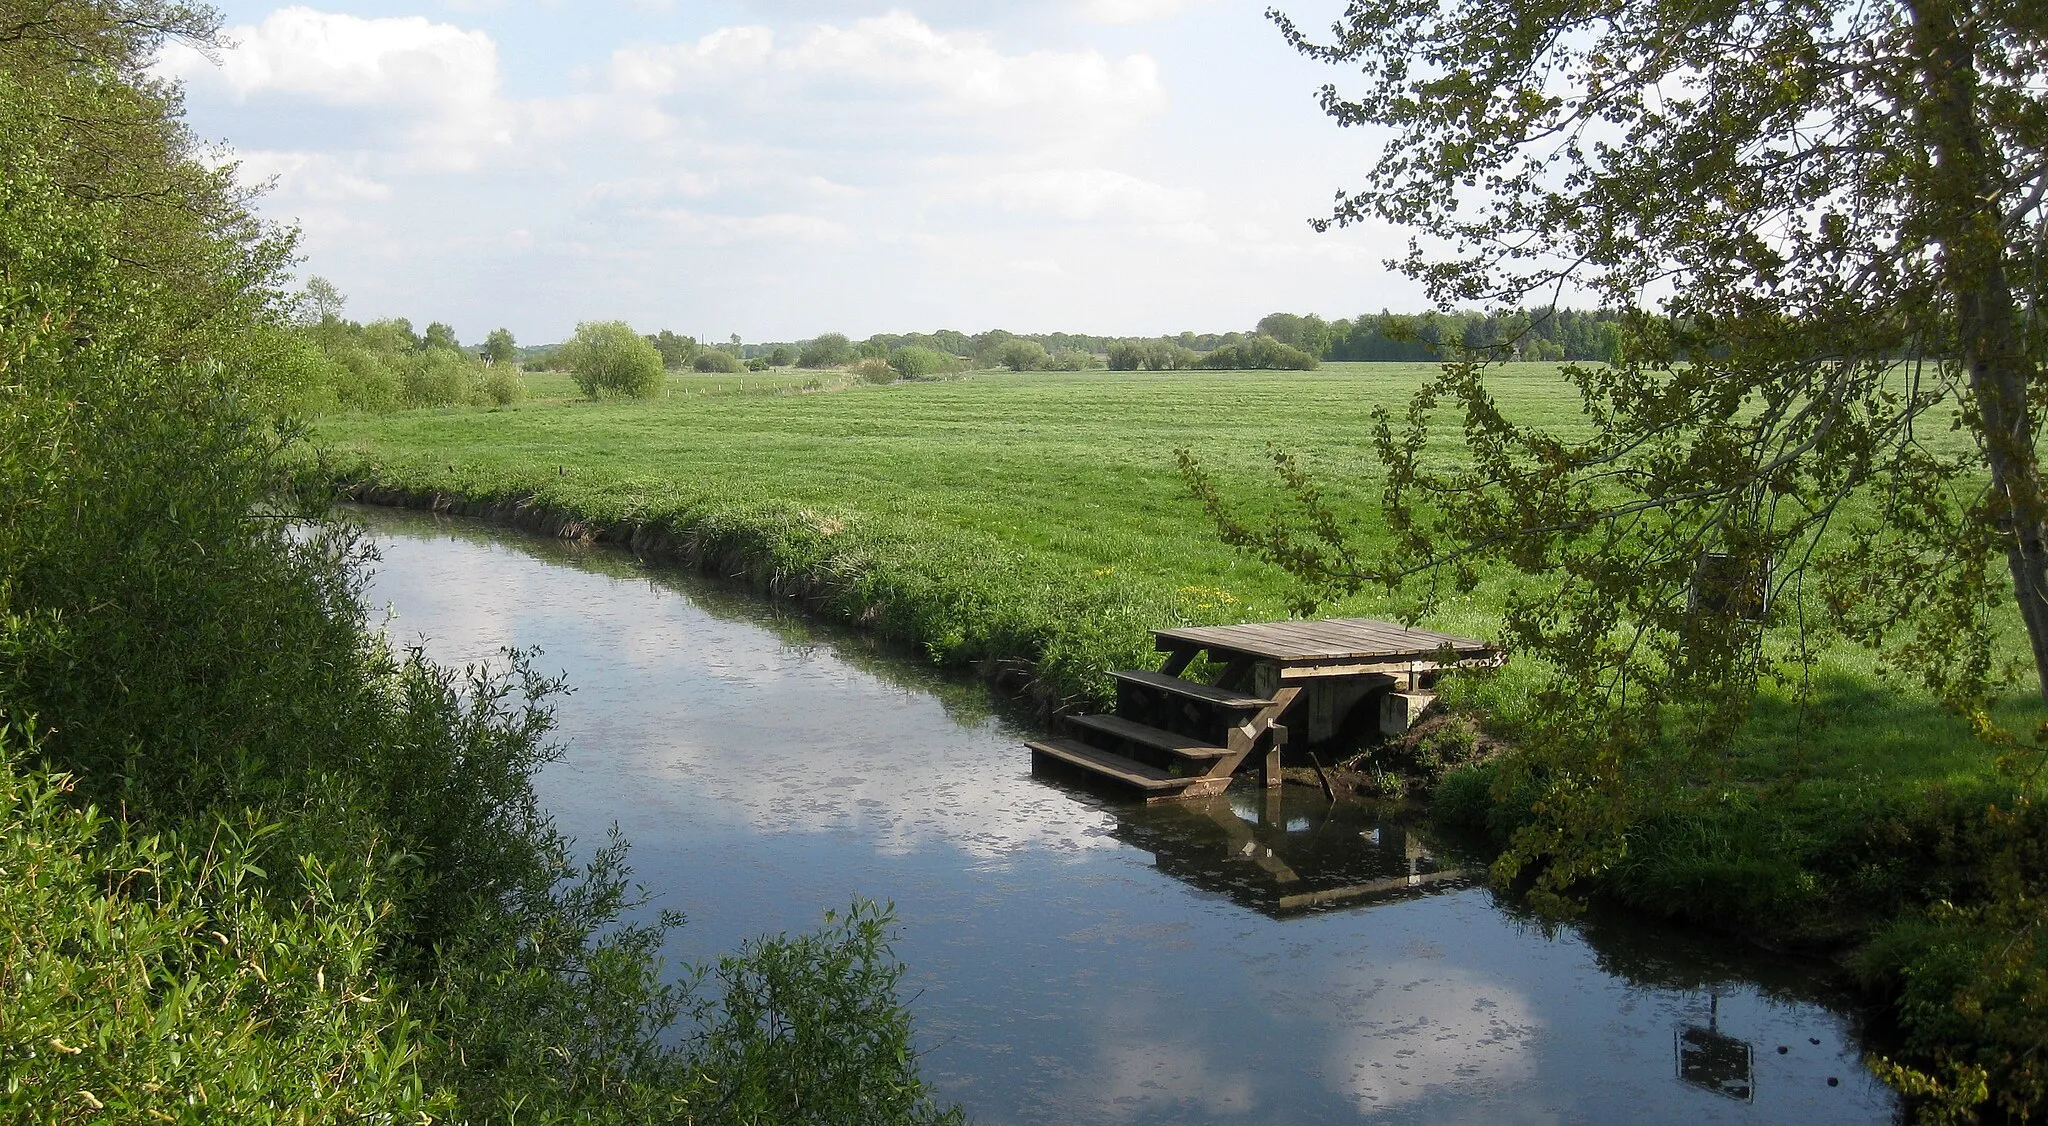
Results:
x,y
1176,737
1330,647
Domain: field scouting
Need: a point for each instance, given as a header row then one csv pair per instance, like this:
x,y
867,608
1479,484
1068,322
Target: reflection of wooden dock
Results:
x,y
1175,737
1284,854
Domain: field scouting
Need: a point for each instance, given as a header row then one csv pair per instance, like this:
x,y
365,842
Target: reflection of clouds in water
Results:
x,y
1137,1075
1130,1071
781,737
1422,1028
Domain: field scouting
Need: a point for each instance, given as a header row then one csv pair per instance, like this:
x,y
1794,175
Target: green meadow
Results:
x,y
1040,515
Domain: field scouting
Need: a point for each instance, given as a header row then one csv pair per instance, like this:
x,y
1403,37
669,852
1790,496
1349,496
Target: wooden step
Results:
x,y
1109,764
1172,742
1222,697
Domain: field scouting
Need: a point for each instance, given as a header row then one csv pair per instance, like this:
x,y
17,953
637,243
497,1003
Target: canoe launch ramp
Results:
x,y
1175,736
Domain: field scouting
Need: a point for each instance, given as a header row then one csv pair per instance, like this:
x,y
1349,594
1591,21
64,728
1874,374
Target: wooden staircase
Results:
x,y
1177,738
1173,738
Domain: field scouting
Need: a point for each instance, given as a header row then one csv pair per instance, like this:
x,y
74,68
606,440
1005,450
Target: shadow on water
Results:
x,y
1300,959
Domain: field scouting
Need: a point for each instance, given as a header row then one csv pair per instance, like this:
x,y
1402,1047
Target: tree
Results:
x,y
322,301
676,351
440,335
1020,355
499,347
831,350
915,362
1311,333
1823,227
1841,200
609,358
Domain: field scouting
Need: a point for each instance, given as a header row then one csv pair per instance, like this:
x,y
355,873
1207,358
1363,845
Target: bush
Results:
x,y
922,363
438,377
872,370
501,385
1149,355
609,358
828,351
364,383
715,361
1073,359
1259,353
1021,355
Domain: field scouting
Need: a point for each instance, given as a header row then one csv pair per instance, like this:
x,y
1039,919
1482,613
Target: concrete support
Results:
x,y
1399,711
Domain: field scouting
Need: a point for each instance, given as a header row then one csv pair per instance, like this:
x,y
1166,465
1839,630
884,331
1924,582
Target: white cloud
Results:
x,y
311,176
1092,193
921,171
1133,11
438,84
892,80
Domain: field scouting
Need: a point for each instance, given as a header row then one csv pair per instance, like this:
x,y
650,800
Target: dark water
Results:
x,y
1079,960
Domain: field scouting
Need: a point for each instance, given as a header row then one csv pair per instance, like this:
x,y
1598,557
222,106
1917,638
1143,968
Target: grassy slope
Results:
x,y
1048,504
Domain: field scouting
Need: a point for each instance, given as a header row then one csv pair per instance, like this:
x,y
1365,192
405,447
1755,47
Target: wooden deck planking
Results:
x,y
1110,764
1222,697
1337,639
1172,742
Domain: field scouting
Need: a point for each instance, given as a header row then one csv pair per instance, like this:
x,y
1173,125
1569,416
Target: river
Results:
x,y
1073,958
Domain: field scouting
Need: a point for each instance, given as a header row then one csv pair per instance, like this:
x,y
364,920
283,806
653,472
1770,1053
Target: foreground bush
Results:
x,y
253,865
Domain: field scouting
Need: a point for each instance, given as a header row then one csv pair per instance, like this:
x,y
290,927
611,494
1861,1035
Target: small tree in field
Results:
x,y
499,347
609,358
1021,355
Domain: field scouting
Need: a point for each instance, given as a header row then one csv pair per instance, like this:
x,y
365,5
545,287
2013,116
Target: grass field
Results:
x,y
1041,516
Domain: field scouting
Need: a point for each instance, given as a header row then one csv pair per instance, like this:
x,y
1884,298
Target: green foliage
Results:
x,y
150,976
1073,359
499,347
1020,355
873,369
501,385
914,362
1309,334
1149,355
781,357
434,377
814,1014
717,362
1259,353
676,351
831,350
609,358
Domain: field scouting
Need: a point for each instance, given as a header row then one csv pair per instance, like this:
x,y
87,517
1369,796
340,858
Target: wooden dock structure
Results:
x,y
1174,737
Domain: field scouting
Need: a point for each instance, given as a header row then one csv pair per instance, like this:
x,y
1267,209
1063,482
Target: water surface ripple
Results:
x,y
1074,959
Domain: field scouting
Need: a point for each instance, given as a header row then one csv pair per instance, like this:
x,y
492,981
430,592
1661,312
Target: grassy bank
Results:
x,y
1036,523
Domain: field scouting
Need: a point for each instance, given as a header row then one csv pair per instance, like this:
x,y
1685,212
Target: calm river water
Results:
x,y
1074,959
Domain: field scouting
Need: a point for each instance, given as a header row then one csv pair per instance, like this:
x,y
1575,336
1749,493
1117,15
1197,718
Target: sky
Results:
x,y
781,168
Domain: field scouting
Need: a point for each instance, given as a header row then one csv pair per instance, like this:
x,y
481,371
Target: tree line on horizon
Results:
x,y
385,365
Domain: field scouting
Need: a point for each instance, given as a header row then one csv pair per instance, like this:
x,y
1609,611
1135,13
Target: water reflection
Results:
x,y
1287,851
1079,960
